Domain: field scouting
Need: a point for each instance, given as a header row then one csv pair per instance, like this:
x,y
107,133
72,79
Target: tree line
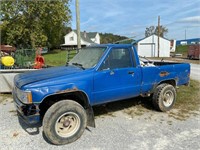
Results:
x,y
34,23
111,38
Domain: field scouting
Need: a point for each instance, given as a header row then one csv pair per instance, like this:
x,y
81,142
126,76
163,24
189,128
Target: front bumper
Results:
x,y
29,113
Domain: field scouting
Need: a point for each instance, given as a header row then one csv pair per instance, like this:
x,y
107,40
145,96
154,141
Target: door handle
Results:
x,y
131,72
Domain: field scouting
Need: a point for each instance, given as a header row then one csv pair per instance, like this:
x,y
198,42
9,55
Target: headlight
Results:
x,y
24,96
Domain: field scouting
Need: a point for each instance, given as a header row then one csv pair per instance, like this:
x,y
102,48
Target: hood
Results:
x,y
44,74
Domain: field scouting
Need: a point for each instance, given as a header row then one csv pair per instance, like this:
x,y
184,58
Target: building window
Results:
x,y
71,38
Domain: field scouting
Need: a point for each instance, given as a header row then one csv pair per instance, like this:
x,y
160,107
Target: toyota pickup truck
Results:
x,y
62,98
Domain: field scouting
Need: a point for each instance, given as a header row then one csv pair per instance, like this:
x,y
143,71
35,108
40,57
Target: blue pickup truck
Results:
x,y
62,97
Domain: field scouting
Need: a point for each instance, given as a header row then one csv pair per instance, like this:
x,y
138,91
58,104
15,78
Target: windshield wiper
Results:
x,y
79,65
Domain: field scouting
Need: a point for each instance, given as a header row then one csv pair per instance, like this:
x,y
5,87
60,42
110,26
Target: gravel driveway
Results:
x,y
147,129
117,130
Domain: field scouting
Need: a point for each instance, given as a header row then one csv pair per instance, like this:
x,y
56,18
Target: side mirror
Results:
x,y
104,66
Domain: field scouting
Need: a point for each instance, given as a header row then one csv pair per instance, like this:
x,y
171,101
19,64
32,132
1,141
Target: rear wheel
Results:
x,y
64,122
164,97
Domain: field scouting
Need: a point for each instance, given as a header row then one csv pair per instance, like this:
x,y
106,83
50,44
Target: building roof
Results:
x,y
189,41
193,39
88,36
91,34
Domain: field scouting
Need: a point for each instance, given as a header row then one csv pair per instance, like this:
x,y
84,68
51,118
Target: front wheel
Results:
x,y
164,97
64,122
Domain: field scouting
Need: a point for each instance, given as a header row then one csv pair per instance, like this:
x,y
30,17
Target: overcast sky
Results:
x,y
131,17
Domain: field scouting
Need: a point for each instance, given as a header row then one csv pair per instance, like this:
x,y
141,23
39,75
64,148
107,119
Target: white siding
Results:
x,y
96,39
148,47
68,36
70,42
183,42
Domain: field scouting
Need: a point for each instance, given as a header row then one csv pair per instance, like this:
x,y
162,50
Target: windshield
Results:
x,y
87,57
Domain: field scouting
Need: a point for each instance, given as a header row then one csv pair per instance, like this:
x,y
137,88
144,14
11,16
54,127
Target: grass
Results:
x,y
187,102
182,49
57,57
188,95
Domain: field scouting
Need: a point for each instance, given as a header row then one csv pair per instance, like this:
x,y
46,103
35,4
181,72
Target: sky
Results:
x,y
131,17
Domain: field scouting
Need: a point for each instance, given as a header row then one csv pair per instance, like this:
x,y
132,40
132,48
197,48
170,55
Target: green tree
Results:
x,y
33,23
154,30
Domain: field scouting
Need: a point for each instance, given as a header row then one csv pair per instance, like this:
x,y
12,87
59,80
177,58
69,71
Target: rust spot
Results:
x,y
68,90
164,73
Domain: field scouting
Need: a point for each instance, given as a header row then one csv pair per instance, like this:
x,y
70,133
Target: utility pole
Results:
x,y
158,36
78,25
185,34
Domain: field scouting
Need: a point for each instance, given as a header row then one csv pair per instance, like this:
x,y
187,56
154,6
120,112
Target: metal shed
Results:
x,y
148,47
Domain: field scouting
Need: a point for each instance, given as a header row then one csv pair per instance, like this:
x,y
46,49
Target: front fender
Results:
x,y
39,94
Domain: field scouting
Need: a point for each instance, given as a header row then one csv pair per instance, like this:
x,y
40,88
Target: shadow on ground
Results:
x,y
139,103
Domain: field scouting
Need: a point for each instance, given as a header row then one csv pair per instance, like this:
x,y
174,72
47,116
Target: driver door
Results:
x,y
117,78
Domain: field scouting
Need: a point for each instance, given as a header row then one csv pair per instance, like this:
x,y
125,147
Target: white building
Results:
x,y
87,39
148,47
184,43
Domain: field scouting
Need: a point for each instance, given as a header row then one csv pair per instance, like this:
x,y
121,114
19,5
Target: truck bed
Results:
x,y
179,73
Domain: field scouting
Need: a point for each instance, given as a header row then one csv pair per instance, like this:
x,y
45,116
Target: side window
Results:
x,y
117,58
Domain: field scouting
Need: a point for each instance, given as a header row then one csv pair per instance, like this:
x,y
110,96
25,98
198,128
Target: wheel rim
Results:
x,y
67,124
168,98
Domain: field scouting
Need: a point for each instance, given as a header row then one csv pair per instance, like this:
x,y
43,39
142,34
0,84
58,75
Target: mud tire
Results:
x,y
72,114
164,97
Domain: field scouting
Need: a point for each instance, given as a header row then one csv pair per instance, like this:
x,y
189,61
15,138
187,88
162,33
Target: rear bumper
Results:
x,y
29,113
